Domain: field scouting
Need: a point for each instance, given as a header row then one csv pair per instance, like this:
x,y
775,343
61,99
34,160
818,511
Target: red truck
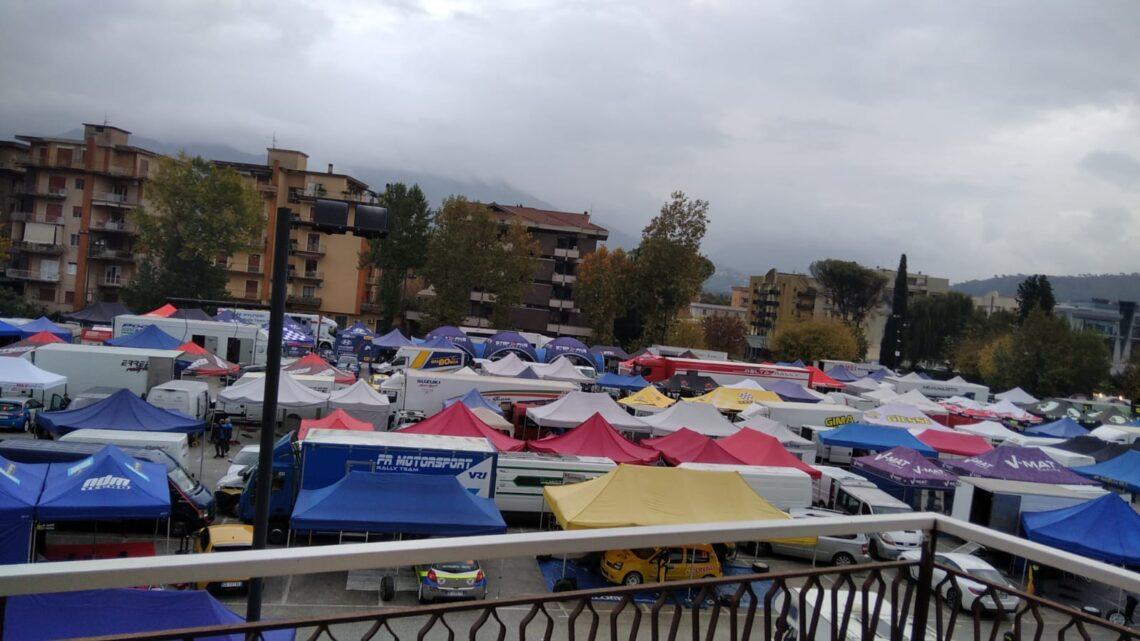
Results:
x,y
659,368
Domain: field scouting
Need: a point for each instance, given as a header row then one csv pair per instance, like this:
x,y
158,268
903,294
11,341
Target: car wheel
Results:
x,y
387,588
633,578
420,595
952,598
1117,617
27,425
874,550
842,558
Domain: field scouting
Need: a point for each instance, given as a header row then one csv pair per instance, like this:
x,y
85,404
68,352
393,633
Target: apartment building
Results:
x,y
1115,321
777,299
13,172
71,242
324,272
995,301
548,305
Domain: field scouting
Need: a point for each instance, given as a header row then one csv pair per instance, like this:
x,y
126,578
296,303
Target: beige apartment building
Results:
x,y
71,241
13,172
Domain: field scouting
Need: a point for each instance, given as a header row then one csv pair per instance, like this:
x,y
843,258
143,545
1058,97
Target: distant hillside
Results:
x,y
1065,288
724,279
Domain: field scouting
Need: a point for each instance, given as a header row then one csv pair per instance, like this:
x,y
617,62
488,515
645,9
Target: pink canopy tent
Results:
x,y
595,437
458,420
313,365
337,420
755,448
205,363
956,443
166,311
687,446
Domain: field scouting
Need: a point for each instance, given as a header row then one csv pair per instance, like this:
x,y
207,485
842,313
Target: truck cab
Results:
x,y
283,490
439,359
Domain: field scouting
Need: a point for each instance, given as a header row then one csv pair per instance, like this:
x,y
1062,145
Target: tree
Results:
x,y
853,291
684,333
813,340
935,323
198,211
1035,293
725,334
514,259
402,250
669,266
1048,358
715,298
893,350
968,351
602,291
1128,381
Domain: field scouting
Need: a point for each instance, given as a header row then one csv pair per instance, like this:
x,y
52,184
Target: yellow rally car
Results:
x,y
223,538
631,567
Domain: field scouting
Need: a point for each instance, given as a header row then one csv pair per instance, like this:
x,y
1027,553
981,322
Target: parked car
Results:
x,y
18,412
228,489
452,580
837,549
632,567
223,538
348,363
966,592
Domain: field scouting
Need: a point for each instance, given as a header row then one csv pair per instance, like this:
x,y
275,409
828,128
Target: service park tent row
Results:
x,y
575,408
459,420
874,438
119,411
698,417
595,437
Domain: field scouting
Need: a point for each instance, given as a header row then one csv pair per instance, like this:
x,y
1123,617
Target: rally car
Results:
x,y
452,580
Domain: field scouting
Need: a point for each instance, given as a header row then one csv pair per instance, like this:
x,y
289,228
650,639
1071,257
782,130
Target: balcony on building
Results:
x,y
302,300
561,303
112,281
244,267
566,252
266,187
370,307
482,297
306,275
112,226
111,199
31,217
563,279
559,329
30,247
306,248
116,254
32,275
51,192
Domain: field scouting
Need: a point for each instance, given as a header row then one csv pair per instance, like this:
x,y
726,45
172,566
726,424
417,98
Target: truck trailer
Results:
x,y
424,392
88,366
235,342
660,368
522,475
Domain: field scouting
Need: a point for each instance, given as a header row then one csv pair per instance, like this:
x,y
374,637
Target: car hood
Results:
x,y
230,481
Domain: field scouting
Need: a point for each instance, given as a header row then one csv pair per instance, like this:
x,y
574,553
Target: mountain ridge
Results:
x,y
1080,287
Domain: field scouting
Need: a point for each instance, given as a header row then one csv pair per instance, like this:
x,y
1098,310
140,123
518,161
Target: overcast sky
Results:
x,y
979,138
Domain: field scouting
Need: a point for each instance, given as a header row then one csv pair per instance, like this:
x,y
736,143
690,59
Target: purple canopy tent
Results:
x,y
455,336
904,466
1014,463
842,374
792,392
505,343
568,346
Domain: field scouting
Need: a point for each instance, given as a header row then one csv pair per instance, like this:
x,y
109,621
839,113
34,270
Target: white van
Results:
x,y
174,444
192,398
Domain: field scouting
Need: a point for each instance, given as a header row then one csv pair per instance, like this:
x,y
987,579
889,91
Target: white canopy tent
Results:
x,y
851,400
1006,409
702,418
494,419
881,396
560,369
748,383
1016,395
916,398
900,415
509,365
863,385
992,431
18,374
361,401
574,408
932,388
291,393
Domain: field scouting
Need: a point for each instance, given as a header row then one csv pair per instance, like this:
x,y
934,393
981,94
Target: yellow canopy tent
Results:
x,y
734,399
636,495
647,397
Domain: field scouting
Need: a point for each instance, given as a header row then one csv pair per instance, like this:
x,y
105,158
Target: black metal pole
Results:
x,y
269,402
924,589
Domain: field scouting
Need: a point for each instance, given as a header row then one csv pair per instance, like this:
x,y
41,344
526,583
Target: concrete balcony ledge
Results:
x,y
32,275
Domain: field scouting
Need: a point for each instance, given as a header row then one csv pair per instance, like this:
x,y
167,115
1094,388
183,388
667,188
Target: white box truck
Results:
x,y
796,415
192,398
784,487
260,318
420,391
235,342
522,475
998,503
175,444
88,366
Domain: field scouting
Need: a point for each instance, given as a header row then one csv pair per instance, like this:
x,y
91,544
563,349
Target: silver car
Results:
x,y
839,549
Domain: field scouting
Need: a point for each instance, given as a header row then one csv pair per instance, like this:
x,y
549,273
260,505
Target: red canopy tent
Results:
x,y
338,420
458,420
757,448
687,446
595,437
162,312
20,348
819,379
312,365
205,363
958,443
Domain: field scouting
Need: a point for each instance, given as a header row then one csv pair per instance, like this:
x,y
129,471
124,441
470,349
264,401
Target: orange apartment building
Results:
x,y
71,241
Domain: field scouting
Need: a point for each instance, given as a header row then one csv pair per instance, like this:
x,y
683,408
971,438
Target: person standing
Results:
x,y
227,435
217,439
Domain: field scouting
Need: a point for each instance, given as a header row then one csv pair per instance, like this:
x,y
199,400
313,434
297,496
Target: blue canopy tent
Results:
x,y
1122,471
350,339
843,374
392,340
602,353
455,336
7,330
792,392
624,383
119,411
149,337
879,374
87,613
427,504
42,324
504,343
1106,529
20,486
473,400
108,485
1062,428
228,316
874,438
292,333
568,346
795,363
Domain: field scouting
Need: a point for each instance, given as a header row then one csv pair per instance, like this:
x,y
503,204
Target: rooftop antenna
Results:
x,y
275,139
106,119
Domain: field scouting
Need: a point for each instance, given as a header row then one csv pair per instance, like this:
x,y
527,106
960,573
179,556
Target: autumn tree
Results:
x,y
813,340
853,291
935,323
1046,357
602,291
1035,293
669,266
402,250
197,211
724,334
893,348
685,333
514,259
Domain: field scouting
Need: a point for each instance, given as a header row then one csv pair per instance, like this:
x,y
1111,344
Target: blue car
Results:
x,y
18,413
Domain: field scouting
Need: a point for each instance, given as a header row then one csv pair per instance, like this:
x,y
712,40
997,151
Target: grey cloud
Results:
x,y
1115,167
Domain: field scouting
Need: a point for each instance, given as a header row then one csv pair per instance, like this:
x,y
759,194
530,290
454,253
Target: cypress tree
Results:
x,y
893,350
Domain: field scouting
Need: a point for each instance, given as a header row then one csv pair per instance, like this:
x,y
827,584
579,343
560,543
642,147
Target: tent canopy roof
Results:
x,y
43,324
697,417
432,504
956,443
905,466
1107,529
149,337
392,340
1015,463
567,346
458,420
875,438
164,311
1016,395
902,415
455,336
594,437
617,381
17,371
508,342
360,395
687,446
648,396
842,373
119,411
792,392
1122,471
313,365
755,448
337,420
473,399
635,495
107,485
991,430
1064,427
100,313
779,431
575,408
290,393
734,399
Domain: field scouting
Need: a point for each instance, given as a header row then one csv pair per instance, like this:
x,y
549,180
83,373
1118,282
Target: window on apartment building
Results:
x,y
309,291
57,182
47,294
74,240
314,242
63,156
251,289
68,298
76,211
144,167
72,268
310,267
54,211
79,183
254,262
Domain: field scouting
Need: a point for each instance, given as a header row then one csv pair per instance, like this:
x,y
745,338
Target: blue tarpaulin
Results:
x,y
20,486
617,381
843,374
108,485
119,411
86,613
392,340
1122,471
149,337
228,316
391,502
455,336
42,324
1061,428
505,342
861,436
567,346
792,392
1106,529
473,400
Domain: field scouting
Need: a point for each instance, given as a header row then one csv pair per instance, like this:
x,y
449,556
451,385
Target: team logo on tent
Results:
x,y
891,459
106,482
9,472
1016,463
